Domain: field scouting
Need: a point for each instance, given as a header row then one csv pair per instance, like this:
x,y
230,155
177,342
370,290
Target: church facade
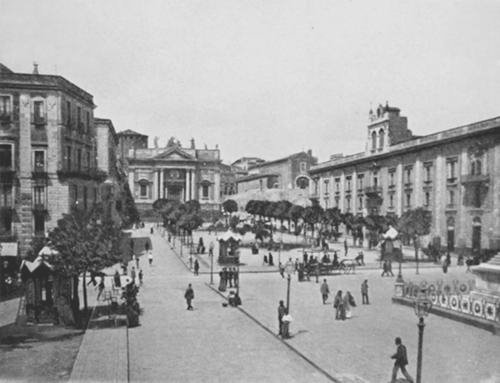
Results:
x,y
177,173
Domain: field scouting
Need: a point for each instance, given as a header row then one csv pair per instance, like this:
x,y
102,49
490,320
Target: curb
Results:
x,y
268,330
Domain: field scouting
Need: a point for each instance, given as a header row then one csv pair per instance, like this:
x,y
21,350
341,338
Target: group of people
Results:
x,y
387,268
229,277
343,303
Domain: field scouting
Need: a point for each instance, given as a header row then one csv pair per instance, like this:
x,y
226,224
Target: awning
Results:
x,y
229,235
8,249
37,263
392,233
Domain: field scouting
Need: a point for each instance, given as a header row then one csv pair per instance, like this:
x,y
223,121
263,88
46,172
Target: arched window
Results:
x,y
381,139
374,140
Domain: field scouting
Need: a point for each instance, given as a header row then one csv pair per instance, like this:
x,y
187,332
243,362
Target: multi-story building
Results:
x,y
454,173
128,139
244,163
174,172
47,153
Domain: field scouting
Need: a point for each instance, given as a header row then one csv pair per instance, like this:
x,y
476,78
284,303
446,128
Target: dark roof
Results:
x,y
129,132
42,81
256,177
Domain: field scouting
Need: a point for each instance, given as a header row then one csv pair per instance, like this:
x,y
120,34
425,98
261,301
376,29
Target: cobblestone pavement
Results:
x,y
210,343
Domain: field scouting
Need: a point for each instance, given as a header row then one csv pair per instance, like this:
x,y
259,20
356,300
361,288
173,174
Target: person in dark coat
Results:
x,y
271,262
236,277
230,277
364,292
189,296
401,361
222,281
196,267
117,280
281,314
346,247
338,305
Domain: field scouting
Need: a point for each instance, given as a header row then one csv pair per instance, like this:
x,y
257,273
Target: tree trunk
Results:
x,y
75,301
85,303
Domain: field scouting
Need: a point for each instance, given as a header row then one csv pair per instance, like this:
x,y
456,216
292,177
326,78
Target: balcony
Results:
x,y
90,174
39,173
7,176
39,120
373,190
476,179
39,208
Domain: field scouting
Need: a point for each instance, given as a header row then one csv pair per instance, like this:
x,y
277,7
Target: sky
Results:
x,y
265,78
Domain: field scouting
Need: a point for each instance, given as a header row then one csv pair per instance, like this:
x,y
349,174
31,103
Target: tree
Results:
x,y
295,213
281,210
130,212
84,243
312,215
230,206
415,223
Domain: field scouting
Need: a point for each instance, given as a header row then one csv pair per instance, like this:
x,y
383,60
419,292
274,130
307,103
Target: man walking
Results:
x,y
364,292
346,247
325,290
281,314
189,295
401,360
196,267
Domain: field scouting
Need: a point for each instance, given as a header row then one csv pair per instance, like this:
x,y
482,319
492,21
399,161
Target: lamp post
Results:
x,y
422,306
212,266
289,270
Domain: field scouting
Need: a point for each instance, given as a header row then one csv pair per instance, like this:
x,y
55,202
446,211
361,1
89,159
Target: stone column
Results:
x,y
154,192
439,200
342,193
354,192
418,183
162,183
193,185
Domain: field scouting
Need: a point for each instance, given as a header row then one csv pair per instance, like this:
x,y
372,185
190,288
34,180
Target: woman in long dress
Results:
x,y
348,303
338,304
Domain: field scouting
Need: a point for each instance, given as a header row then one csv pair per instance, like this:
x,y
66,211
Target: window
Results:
x,y
39,195
477,196
5,108
427,199
87,125
381,139
476,167
408,175
428,172
451,168
79,117
303,167
38,112
337,201
375,179
39,219
391,200
6,156
360,203
391,177
79,159
75,194
85,201
39,160
5,195
325,183
68,157
204,191
348,203
88,160
360,181
374,140
337,184
143,190
68,113
408,200
348,183
451,198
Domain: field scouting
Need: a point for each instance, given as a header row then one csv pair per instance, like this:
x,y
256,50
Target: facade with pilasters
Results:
x,y
454,173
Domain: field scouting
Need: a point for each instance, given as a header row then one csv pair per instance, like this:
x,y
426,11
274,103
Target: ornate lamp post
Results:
x,y
289,270
422,306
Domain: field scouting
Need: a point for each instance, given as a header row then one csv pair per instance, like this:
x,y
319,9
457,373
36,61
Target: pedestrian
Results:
x,y
360,259
348,303
196,267
281,314
150,257
364,292
226,276
325,290
146,246
211,249
389,267
401,361
335,262
116,279
222,282
338,305
385,268
189,295
281,269
100,287
271,262
346,247
236,277
152,230
444,263
305,257
92,280
132,274
140,277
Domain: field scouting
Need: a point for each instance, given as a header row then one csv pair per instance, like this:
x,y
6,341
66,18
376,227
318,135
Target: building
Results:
x,y
47,153
454,173
174,172
128,139
281,179
244,163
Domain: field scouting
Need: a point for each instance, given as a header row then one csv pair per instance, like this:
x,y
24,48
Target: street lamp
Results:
x,y
422,306
211,254
289,270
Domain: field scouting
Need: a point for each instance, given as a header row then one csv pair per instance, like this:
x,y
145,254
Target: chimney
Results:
x,y
35,68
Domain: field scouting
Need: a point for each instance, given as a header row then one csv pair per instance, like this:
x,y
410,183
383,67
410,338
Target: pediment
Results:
x,y
174,154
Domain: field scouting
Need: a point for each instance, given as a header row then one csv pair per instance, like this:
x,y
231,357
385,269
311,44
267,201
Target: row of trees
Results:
x,y
412,224
179,218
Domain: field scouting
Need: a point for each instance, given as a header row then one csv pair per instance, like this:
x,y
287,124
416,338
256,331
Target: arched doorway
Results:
x,y
450,223
476,233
